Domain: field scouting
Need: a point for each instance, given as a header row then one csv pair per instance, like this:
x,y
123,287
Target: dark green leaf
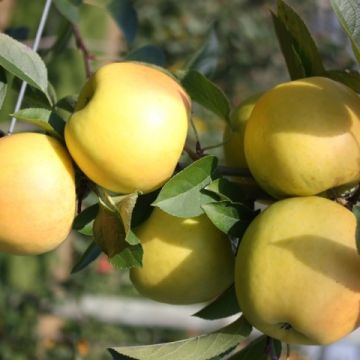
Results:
x,y
149,54
302,40
21,61
206,58
348,14
350,78
67,103
225,305
206,93
231,218
356,211
259,349
293,61
202,347
68,9
85,217
182,196
90,254
3,87
43,118
125,16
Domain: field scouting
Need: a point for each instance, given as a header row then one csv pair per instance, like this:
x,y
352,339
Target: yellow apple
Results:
x,y
129,127
297,271
303,138
37,193
233,138
186,260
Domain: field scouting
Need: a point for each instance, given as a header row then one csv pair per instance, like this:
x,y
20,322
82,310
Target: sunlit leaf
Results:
x,y
181,195
348,14
206,93
202,347
21,61
43,118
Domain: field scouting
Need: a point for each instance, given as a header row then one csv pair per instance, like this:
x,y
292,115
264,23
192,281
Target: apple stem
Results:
x,y
287,351
82,47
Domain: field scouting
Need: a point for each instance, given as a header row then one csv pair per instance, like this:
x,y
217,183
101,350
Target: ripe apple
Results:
x,y
233,138
303,138
37,193
129,127
297,271
186,260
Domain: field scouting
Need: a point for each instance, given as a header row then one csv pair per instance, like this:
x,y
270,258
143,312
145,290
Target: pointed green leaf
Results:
x,y
21,61
350,78
90,254
356,211
348,14
302,40
43,118
259,349
292,58
223,306
125,16
202,347
231,218
85,217
182,196
206,93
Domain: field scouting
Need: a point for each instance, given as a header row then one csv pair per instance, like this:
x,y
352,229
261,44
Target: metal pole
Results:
x,y
35,47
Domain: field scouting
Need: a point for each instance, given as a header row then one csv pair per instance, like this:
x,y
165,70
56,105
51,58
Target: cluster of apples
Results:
x,y
296,270
297,267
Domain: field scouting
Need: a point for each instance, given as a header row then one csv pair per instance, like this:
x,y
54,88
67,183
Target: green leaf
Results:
x,y
148,54
230,218
85,217
206,59
356,211
68,9
67,103
350,78
259,349
125,16
223,306
3,87
182,196
348,14
43,118
23,62
206,93
131,256
90,254
202,347
292,58
298,47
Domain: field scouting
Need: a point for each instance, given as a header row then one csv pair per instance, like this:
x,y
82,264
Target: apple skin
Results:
x,y
129,127
234,133
185,261
303,138
37,194
297,265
